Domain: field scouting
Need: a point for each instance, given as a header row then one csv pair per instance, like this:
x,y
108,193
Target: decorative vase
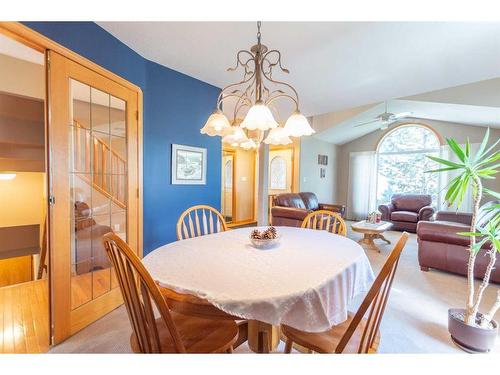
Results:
x,y
472,339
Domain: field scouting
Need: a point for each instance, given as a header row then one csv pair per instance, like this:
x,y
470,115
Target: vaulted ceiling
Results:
x,y
334,65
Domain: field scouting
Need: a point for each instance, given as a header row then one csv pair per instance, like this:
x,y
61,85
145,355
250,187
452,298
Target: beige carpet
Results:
x,y
415,320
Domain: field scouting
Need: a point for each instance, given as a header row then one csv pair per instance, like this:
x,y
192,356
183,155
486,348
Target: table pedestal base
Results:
x,y
262,337
368,238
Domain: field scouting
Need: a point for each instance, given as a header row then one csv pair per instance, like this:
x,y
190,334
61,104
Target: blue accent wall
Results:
x,y
175,108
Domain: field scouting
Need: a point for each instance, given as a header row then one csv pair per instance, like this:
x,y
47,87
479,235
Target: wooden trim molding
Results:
x,y
34,39
41,43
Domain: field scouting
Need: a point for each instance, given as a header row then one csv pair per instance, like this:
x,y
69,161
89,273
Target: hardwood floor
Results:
x,y
24,318
88,286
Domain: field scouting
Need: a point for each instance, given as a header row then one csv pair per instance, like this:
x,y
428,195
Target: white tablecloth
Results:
x,y
306,282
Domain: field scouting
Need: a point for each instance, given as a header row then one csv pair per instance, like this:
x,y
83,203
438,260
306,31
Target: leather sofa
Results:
x,y
406,210
440,247
290,209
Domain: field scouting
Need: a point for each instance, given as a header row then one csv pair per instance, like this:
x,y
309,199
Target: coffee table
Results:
x,y
371,232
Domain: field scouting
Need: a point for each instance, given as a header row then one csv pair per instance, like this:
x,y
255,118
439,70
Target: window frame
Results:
x,y
412,152
283,160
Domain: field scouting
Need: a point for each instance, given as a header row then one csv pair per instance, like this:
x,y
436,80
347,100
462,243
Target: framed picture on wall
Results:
x,y
189,165
322,159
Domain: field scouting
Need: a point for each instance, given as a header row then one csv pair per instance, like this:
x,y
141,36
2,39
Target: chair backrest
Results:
x,y
410,202
325,220
139,292
293,200
310,200
199,221
375,301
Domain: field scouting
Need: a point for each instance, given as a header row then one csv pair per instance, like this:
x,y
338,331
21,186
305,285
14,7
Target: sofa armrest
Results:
x,y
386,210
457,217
339,208
425,213
289,212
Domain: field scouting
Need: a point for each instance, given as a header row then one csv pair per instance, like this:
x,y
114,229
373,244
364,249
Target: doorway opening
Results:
x,y
24,291
238,186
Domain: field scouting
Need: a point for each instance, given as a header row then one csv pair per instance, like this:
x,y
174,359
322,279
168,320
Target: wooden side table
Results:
x,y
371,232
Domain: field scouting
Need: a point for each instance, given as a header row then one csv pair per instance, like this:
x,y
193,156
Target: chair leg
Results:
x,y
229,350
288,346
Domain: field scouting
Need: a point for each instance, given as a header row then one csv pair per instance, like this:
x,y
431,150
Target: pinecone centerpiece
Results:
x,y
255,234
264,239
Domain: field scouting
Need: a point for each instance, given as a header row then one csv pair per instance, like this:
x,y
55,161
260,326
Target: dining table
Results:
x,y
306,281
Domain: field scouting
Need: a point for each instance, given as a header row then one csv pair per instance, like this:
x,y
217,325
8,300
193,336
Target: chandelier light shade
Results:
x,y
248,145
298,126
252,98
217,124
235,137
259,117
277,136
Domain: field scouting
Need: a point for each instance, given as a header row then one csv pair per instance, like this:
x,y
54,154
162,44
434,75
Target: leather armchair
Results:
x,y
290,209
440,247
406,210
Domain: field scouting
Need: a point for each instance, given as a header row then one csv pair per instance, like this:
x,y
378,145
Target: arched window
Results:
x,y
277,173
402,161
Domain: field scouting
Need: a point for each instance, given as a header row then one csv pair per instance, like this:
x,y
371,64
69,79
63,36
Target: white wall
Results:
x,y
22,77
324,188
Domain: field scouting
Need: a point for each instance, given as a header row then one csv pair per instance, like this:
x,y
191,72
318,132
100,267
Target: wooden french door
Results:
x,y
93,139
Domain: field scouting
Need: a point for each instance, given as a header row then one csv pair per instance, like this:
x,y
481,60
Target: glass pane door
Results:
x,y
95,188
98,184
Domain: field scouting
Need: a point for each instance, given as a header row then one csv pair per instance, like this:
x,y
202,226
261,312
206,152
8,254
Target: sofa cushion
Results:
x,y
289,200
443,231
410,202
310,201
409,216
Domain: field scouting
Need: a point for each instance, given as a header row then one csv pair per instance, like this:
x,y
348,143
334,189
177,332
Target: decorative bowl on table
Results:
x,y
266,239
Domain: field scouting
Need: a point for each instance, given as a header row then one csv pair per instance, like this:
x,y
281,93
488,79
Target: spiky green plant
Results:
x,y
471,170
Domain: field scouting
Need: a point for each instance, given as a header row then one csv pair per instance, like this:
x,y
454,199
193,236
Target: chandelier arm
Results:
x,y
243,100
295,99
276,112
239,62
241,105
221,96
278,60
270,79
276,97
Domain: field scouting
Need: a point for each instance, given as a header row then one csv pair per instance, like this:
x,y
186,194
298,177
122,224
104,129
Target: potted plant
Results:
x,y
470,329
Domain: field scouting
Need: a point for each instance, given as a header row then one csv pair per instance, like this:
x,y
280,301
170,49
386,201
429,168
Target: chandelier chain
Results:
x,y
259,23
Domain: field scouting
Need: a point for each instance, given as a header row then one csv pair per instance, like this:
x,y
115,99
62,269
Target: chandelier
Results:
x,y
254,97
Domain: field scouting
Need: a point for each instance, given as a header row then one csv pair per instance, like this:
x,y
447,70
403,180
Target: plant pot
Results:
x,y
472,339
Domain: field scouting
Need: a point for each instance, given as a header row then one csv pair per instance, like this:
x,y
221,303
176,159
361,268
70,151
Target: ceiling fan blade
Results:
x,y
366,123
403,114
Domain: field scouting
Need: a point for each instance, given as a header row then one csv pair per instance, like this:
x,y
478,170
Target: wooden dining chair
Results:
x,y
325,220
171,332
199,221
357,334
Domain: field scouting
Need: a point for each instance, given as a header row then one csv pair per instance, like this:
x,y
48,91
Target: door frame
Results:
x,y
232,152
236,223
41,43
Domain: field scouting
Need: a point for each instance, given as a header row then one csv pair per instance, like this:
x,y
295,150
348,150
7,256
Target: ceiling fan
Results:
x,y
386,118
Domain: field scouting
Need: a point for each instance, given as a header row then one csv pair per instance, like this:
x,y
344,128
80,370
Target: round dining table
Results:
x,y
306,281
